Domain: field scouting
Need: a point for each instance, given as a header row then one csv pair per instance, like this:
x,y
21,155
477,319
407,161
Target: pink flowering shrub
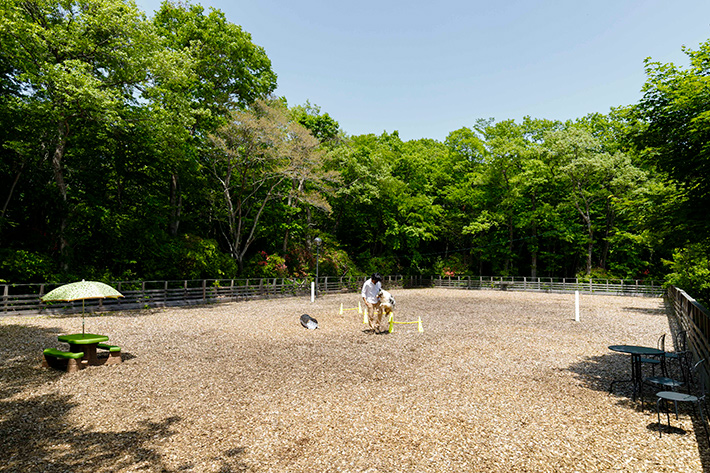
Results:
x,y
270,266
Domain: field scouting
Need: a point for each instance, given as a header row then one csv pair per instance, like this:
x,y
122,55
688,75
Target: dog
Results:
x,y
387,302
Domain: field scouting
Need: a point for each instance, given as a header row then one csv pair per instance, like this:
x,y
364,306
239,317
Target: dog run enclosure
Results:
x,y
20,299
25,299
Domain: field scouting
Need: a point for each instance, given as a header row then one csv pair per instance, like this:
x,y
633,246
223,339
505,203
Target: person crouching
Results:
x,y
370,292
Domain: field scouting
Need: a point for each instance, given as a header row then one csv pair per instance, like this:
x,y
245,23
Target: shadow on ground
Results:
x,y
598,372
36,433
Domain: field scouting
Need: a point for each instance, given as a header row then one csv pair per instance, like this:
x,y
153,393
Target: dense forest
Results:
x,y
154,148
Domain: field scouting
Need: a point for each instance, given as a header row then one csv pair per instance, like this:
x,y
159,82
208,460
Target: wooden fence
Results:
x,y
19,299
692,317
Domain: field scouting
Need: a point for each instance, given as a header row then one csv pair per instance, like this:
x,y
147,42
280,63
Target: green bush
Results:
x,y
201,258
452,265
22,266
690,271
383,265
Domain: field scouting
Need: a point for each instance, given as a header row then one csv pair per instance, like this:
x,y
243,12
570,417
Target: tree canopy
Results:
x,y
139,148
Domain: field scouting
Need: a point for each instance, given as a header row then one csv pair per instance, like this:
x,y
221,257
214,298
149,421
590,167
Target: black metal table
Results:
x,y
636,353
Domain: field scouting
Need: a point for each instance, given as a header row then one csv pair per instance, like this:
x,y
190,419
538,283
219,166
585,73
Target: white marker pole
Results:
x,y
313,291
576,306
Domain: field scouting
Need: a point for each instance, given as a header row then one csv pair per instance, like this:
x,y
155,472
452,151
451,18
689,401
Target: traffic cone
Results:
x,y
420,325
341,308
391,323
364,316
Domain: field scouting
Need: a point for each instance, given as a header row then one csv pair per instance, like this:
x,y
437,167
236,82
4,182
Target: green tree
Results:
x,y
675,110
254,160
72,61
213,68
230,71
321,125
673,137
595,179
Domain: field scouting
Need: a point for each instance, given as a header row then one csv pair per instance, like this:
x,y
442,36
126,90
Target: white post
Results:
x,y
313,291
576,306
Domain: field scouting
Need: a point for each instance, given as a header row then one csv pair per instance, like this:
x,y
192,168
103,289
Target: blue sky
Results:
x,y
428,68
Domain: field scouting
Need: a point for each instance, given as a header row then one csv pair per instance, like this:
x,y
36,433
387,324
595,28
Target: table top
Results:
x,y
82,338
636,350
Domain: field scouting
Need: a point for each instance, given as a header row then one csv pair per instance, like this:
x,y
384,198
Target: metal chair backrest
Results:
x,y
681,341
661,344
695,373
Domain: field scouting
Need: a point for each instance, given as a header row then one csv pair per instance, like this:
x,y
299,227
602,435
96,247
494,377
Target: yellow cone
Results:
x,y
391,323
420,325
359,309
341,308
364,316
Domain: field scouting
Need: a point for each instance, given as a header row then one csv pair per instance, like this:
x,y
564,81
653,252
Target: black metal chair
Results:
x,y
677,397
656,360
660,383
680,356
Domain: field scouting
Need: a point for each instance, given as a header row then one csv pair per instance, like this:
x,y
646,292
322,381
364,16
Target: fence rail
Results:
x,y
19,299
617,287
692,317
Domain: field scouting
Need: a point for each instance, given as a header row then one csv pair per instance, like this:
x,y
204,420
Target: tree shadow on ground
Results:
x,y
598,372
647,311
36,433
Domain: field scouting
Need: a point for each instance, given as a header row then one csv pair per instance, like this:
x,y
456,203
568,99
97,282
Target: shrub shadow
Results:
x,y
36,432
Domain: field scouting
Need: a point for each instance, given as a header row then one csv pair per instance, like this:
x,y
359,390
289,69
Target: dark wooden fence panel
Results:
x,y
26,298
692,317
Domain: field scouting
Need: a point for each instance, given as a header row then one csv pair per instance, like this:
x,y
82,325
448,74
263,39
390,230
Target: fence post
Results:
x,y
204,289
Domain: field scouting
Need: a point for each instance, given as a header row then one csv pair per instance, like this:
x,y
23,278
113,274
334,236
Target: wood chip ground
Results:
x,y
497,382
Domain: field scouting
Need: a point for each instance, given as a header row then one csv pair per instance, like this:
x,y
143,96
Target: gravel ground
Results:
x,y
497,382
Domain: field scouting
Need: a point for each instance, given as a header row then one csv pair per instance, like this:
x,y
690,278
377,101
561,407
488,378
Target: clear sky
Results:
x,y
427,68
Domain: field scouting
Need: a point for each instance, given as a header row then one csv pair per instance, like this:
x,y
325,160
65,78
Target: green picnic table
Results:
x,y
84,342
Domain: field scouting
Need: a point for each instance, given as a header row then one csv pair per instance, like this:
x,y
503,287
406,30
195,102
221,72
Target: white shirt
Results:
x,y
370,291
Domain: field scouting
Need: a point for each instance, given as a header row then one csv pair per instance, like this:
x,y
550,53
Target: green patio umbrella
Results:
x,y
82,290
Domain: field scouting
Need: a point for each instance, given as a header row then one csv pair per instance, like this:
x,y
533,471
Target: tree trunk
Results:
x,y
590,248
175,205
57,168
11,191
607,234
509,256
533,250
